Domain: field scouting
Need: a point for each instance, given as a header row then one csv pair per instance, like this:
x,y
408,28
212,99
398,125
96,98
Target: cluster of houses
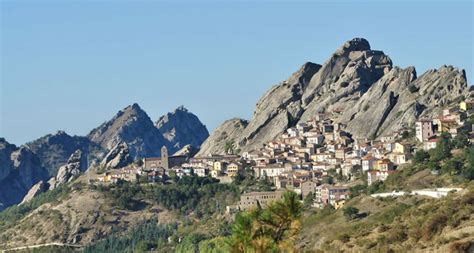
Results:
x,y
222,167
451,121
305,159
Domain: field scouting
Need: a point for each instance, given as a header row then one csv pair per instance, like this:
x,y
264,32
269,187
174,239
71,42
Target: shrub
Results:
x,y
344,237
396,234
434,225
421,156
351,212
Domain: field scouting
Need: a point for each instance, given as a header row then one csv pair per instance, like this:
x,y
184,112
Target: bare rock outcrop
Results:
x,y
75,165
230,130
119,156
357,86
133,127
279,108
20,169
181,128
36,190
188,150
55,149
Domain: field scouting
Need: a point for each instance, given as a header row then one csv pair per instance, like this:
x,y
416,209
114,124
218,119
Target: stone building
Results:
x,y
251,199
165,161
424,129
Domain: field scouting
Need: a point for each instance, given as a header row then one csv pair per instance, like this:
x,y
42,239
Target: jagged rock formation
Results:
x,y
128,135
20,169
182,127
279,108
119,156
188,150
230,130
75,165
357,86
55,149
36,190
133,127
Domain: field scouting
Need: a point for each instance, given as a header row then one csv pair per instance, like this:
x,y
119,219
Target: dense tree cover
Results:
x,y
272,229
247,182
459,167
441,158
123,194
13,214
147,236
203,196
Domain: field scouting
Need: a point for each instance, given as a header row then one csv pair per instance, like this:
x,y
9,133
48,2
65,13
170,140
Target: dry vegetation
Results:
x,y
394,224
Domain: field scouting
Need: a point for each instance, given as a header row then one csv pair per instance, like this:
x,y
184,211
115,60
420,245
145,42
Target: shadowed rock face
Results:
x,y
358,86
181,128
54,150
75,165
20,169
128,135
133,127
118,157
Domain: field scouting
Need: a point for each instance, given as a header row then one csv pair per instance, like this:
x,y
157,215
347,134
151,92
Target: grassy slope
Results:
x,y
400,224
79,217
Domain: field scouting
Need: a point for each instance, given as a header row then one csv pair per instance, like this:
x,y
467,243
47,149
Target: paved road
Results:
x,y
44,245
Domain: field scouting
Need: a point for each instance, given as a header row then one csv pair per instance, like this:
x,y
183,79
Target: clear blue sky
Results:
x,y
71,66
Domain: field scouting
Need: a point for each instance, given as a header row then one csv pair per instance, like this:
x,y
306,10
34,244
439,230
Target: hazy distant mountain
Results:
x,y
181,128
20,169
358,86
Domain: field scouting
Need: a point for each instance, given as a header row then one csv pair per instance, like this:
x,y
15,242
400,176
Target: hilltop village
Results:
x,y
317,159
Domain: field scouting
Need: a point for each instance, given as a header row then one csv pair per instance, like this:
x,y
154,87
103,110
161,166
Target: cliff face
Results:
x,y
117,142
181,128
230,130
357,86
133,127
76,164
55,149
20,169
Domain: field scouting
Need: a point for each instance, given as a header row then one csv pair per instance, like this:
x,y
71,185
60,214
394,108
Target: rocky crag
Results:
x,y
20,169
55,149
133,127
58,158
181,128
356,86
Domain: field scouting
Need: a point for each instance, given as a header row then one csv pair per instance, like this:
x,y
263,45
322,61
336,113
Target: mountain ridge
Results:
x,y
344,87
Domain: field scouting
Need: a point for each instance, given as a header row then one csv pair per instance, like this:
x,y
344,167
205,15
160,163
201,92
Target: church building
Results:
x,y
165,161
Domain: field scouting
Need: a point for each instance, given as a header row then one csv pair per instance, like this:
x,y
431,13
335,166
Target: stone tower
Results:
x,y
164,158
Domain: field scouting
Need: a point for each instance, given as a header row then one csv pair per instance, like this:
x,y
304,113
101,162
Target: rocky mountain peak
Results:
x,y
180,108
133,127
356,44
180,128
346,87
